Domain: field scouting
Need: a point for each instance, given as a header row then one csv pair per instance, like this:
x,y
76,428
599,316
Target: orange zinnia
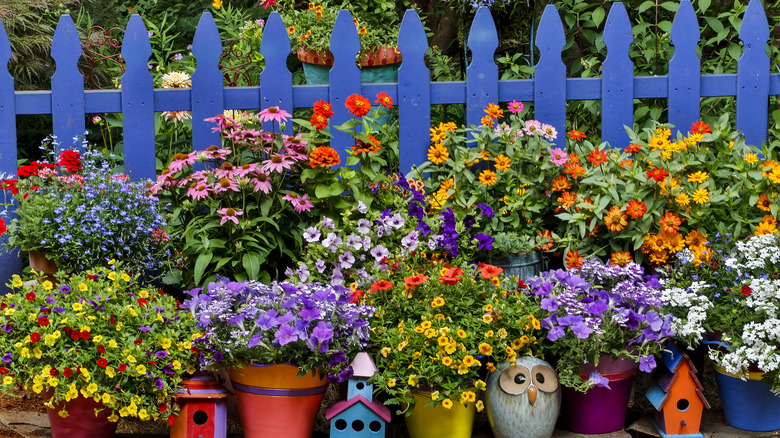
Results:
x,y
621,258
763,202
597,157
699,127
670,223
358,105
323,108
695,240
318,121
577,135
494,111
615,219
574,170
546,235
568,199
384,100
633,148
324,156
573,260
636,209
560,183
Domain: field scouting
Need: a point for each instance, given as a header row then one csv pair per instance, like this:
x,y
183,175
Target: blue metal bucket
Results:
x,y
522,266
748,404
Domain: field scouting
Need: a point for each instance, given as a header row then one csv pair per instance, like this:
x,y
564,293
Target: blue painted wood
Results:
x,y
207,97
10,263
276,77
138,102
67,85
414,93
617,81
344,76
753,75
550,72
684,69
482,72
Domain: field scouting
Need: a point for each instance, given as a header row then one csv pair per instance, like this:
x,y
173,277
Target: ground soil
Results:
x,y
31,403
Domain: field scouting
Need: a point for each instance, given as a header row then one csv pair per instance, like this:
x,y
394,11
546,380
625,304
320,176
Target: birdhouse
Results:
x,y
359,415
676,394
203,408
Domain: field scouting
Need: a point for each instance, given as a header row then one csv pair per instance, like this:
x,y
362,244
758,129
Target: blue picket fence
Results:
x,y
414,93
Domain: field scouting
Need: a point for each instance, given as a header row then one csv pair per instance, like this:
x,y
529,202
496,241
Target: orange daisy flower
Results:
x,y
636,209
384,100
670,223
633,148
615,219
699,127
597,157
560,183
494,111
577,135
568,199
358,105
621,258
573,260
763,202
574,170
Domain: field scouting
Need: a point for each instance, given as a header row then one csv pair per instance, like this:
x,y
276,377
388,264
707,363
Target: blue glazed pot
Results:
x,y
748,404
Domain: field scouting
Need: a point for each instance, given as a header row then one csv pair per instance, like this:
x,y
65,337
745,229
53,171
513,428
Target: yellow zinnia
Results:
x,y
487,178
438,154
701,196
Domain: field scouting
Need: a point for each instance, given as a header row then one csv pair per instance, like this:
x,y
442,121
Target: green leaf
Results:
x,y
665,26
735,51
201,264
670,6
645,6
598,16
714,24
704,5
251,264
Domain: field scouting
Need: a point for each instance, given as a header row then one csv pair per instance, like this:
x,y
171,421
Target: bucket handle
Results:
x,y
717,343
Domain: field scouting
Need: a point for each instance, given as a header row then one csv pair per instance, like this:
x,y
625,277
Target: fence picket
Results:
x,y
753,75
10,263
482,72
617,81
550,72
414,93
276,78
138,102
684,69
207,95
344,76
67,85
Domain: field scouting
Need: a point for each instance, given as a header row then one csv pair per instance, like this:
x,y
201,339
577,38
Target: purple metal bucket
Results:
x,y
600,410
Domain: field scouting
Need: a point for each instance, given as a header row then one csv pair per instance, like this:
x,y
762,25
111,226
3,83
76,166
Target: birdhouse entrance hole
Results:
x,y
357,425
200,418
375,426
360,385
682,404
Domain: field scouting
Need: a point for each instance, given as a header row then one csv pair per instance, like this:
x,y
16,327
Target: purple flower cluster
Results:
x,y
306,324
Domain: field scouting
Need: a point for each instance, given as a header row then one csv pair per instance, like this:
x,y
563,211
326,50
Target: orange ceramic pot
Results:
x,y
274,401
81,420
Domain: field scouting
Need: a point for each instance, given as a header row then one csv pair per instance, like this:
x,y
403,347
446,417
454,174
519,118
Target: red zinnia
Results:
x,y
633,148
35,337
102,362
318,121
657,173
122,367
67,371
636,209
43,320
323,108
384,100
358,105
597,157
699,127
30,296
746,290
573,260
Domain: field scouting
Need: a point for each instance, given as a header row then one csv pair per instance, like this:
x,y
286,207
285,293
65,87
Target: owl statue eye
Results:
x,y
515,380
545,378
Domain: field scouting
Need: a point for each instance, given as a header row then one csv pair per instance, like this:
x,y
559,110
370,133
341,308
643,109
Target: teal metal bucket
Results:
x,y
522,266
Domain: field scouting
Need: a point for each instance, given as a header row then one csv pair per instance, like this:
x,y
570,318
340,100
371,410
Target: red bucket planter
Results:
x,y
81,421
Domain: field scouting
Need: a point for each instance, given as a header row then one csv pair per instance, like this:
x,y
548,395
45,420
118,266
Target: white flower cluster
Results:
x,y
764,296
691,326
759,346
755,253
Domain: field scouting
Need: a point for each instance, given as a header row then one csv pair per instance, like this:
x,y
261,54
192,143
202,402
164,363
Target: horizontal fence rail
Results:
x,y
68,102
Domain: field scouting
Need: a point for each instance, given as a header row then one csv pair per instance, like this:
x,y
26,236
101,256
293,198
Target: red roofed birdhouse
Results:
x,y
677,395
203,408
359,415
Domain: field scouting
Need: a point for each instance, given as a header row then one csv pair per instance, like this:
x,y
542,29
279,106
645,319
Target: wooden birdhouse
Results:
x,y
359,415
676,394
203,408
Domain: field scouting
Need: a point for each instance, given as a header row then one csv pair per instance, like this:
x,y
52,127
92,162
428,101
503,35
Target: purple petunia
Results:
x,y
599,380
647,363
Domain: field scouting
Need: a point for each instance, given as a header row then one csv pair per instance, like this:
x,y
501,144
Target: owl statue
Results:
x,y
523,399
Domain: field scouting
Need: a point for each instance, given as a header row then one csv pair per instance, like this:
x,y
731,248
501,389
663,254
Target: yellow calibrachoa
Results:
x,y
447,403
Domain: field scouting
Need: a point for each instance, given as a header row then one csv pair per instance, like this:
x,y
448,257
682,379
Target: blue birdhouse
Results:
x,y
359,415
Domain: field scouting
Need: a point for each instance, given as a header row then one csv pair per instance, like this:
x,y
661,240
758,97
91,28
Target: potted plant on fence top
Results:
x,y
279,339
99,345
724,294
75,211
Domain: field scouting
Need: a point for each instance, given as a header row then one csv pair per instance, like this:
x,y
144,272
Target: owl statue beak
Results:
x,y
532,394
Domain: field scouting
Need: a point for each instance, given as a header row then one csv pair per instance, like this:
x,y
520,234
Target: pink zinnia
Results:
x,y
558,157
533,127
278,163
273,114
301,203
229,214
515,107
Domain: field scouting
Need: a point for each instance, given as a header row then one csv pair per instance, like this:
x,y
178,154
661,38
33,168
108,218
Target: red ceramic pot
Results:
x,y
81,420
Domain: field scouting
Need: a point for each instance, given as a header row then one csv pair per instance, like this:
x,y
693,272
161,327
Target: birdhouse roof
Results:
x,y
666,376
672,358
341,406
363,366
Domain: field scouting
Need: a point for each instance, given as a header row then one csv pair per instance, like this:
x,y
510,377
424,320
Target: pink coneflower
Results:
x,y
278,163
262,183
229,214
226,170
515,107
300,203
198,190
225,184
558,157
223,122
245,169
273,114
181,160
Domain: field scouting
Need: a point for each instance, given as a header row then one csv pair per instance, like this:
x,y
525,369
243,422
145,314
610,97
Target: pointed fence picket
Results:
x,y
414,93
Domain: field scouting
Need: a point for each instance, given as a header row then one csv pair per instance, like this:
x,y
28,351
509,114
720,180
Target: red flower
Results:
x,y
633,148
43,320
7,184
30,296
35,337
318,121
29,170
101,349
67,371
415,280
636,209
54,372
3,228
3,370
490,271
577,135
699,127
142,301
521,284
138,342
85,335
381,285
102,362
112,319
356,296
358,105
597,157
122,367
657,173
71,160
384,100
323,108
75,335
171,420
162,408
151,362
451,276
746,290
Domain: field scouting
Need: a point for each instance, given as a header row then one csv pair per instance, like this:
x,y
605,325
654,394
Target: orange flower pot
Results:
x,y
274,401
